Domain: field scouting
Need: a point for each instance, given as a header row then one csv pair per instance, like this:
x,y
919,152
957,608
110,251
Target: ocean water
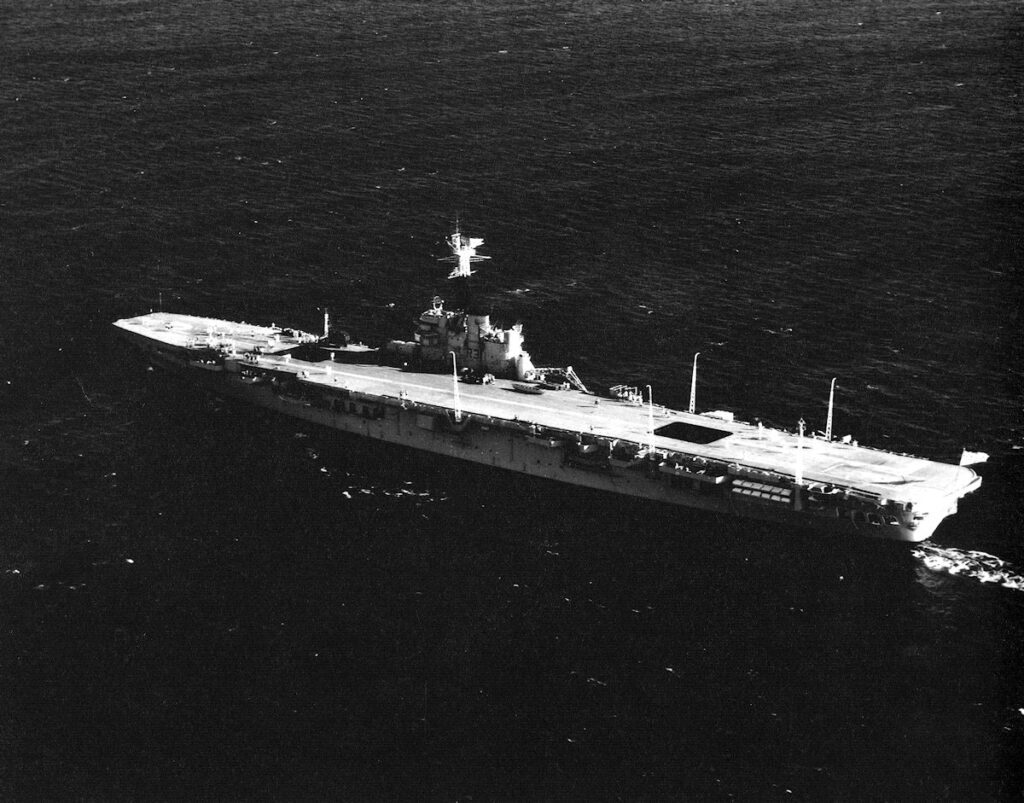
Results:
x,y
201,602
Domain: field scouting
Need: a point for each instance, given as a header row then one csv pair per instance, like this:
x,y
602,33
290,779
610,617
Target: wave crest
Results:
x,y
980,566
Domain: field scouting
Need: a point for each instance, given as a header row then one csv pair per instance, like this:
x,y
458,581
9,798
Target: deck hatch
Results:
x,y
691,433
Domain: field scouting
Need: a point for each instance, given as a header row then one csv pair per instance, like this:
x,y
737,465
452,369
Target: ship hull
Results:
x,y
495,447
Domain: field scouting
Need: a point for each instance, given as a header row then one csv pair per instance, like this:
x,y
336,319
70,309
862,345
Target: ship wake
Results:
x,y
980,566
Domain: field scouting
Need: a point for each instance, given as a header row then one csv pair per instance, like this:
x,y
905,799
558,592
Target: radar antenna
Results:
x,y
463,253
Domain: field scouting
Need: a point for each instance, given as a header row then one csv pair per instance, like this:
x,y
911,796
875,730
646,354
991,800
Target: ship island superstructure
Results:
x,y
468,390
466,331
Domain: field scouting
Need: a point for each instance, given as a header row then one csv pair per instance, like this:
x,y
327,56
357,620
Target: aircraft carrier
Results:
x,y
468,390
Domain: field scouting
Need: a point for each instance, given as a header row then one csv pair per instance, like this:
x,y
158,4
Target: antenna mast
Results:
x,y
464,253
455,389
650,419
828,423
693,384
800,454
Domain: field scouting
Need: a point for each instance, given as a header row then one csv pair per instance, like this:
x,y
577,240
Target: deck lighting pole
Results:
x,y
693,384
455,389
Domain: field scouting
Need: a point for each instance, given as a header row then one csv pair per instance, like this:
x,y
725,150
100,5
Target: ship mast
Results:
x,y
464,253
831,399
650,420
455,389
798,501
693,384
800,454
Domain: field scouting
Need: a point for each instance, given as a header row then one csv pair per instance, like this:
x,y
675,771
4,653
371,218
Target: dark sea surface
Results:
x,y
201,602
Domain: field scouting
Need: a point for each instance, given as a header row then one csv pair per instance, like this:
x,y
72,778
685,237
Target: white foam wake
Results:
x,y
980,566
